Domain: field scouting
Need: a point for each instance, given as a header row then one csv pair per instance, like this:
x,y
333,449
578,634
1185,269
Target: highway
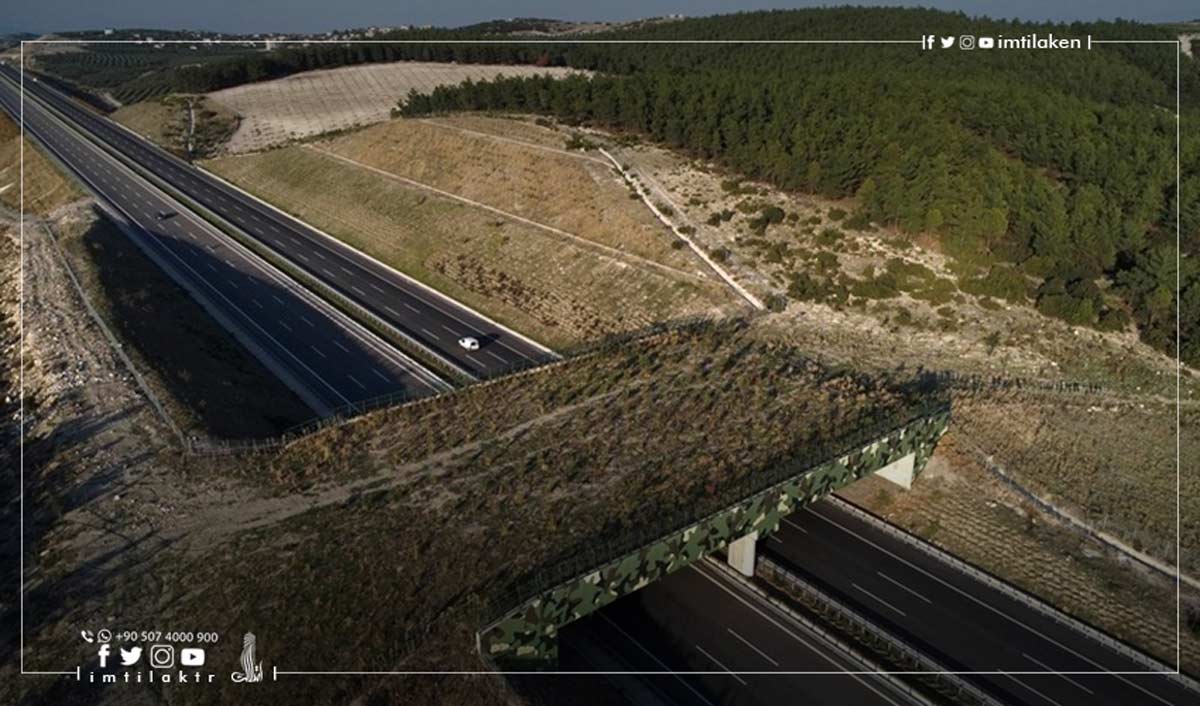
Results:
x,y
699,620
326,359
418,312
958,620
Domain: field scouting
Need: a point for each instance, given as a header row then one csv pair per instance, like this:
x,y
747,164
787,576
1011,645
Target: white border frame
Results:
x,y
275,672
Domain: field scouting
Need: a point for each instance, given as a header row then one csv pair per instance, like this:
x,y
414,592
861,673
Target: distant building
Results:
x,y
108,31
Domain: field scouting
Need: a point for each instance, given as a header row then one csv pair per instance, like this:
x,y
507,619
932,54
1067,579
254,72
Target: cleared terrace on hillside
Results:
x,y
416,515
314,102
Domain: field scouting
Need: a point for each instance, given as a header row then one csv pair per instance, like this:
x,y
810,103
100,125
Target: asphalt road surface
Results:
x,y
329,364
698,620
427,317
963,623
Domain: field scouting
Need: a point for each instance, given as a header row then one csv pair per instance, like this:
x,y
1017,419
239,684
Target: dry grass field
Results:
x,y
576,192
315,102
46,187
552,288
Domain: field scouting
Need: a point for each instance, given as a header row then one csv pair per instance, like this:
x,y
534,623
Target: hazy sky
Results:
x,y
318,15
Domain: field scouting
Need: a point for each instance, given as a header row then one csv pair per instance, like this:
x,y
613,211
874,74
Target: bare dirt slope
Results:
x,y
315,102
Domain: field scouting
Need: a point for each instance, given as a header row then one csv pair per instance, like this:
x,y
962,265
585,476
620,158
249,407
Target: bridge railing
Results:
x,y
594,553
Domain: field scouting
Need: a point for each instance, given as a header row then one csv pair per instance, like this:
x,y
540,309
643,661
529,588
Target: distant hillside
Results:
x,y
1059,162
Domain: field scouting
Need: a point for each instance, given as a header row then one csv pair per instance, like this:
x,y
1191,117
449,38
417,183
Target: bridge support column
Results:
x,y
902,471
741,554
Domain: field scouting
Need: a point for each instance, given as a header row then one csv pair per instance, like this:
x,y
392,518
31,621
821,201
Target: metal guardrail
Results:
x,y
909,651
593,553
1019,595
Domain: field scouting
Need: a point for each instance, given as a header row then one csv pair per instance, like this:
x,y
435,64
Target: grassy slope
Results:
x,y
550,288
578,196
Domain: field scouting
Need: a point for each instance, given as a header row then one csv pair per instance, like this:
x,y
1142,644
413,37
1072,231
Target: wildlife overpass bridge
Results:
x,y
524,622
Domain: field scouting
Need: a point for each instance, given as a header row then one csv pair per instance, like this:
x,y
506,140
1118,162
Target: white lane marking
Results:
x,y
356,382
256,302
429,333
381,375
450,330
496,356
377,288
1047,698
1051,670
790,633
360,292
319,254
773,538
717,662
793,525
872,595
410,306
339,345
301,256
903,587
346,270
989,606
390,310
278,300
317,351
285,326
232,284
654,657
752,646
212,267
307,321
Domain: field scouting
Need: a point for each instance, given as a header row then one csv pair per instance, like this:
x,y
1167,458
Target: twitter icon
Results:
x,y
130,656
947,42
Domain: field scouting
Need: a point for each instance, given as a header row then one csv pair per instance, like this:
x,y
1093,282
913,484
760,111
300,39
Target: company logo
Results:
x,y
191,657
130,656
251,672
966,42
103,653
162,656
947,42
987,43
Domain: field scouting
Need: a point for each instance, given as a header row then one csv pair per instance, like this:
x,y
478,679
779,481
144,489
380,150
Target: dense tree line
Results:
x,y
1061,162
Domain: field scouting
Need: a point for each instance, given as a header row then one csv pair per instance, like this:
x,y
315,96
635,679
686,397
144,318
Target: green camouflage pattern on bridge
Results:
x,y
527,635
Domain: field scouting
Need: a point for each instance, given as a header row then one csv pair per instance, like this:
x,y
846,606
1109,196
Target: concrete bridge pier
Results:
x,y
741,554
902,471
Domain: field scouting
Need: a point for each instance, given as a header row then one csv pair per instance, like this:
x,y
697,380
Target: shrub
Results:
x,y
1001,282
720,255
859,222
836,214
829,236
776,302
687,230
713,219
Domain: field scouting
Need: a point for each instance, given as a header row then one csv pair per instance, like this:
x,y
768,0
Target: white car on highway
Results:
x,y
469,342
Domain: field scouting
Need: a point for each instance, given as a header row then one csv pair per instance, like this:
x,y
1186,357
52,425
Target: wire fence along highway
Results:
x,y
593,553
